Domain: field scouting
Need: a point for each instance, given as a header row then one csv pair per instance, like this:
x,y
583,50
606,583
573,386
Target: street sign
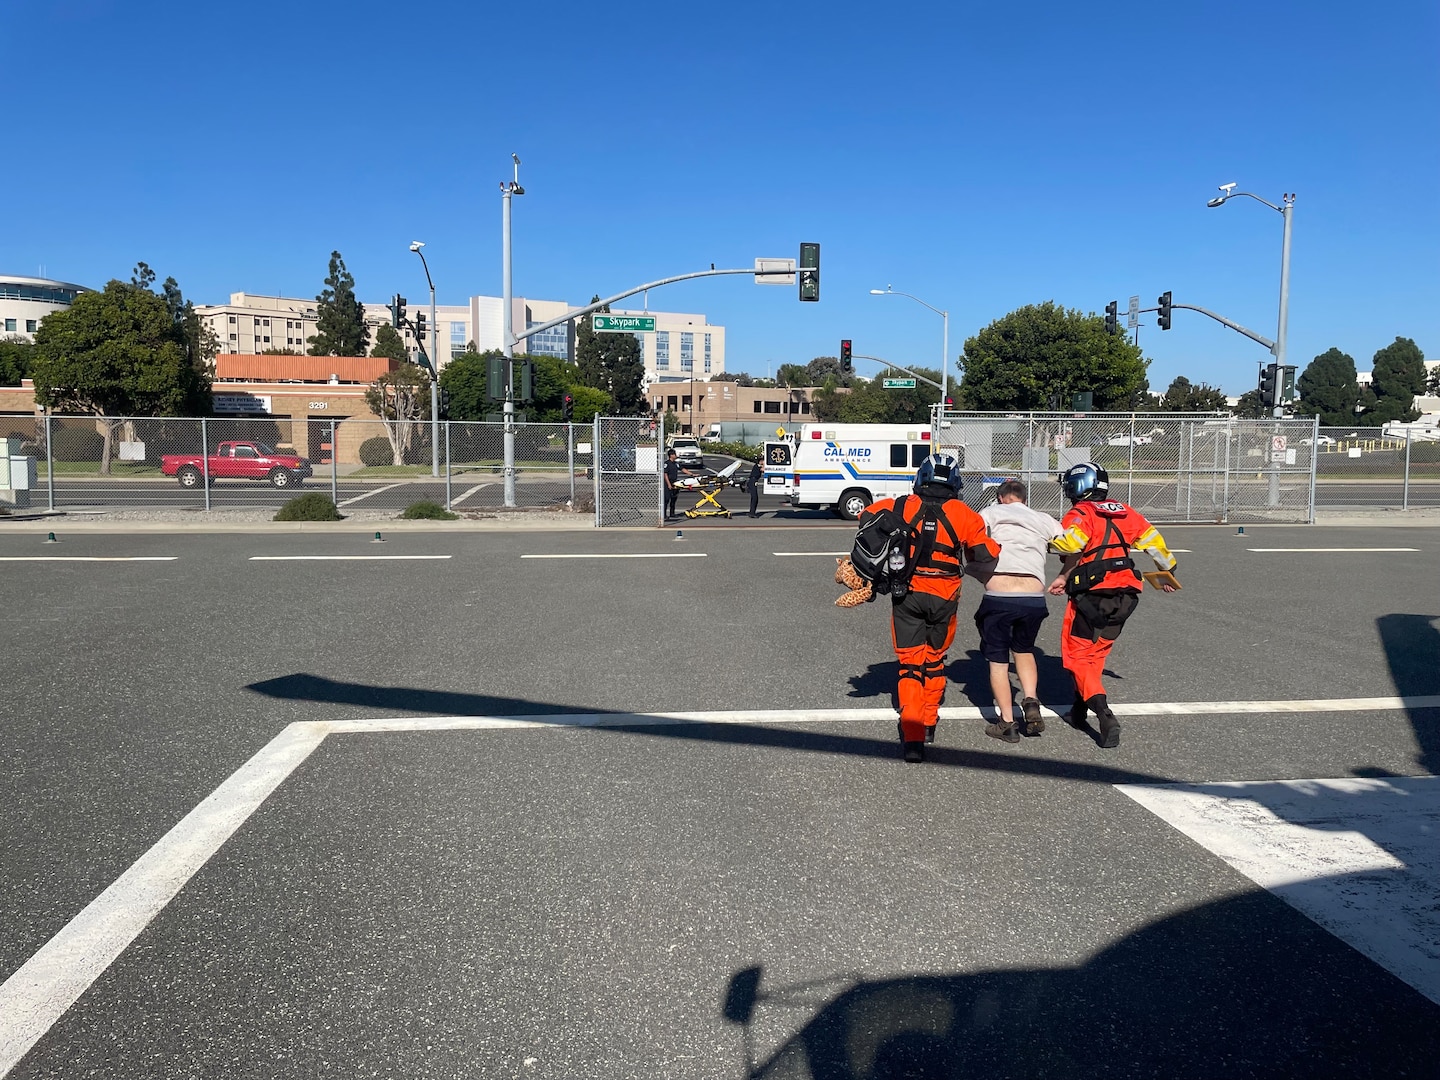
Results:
x,y
1133,318
898,384
774,271
624,324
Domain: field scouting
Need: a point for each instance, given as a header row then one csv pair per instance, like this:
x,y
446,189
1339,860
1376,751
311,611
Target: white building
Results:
x,y
681,347
24,301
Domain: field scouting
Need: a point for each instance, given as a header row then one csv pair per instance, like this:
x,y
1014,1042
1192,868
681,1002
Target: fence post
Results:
x,y
1314,465
334,470
205,460
49,462
1130,480
1405,496
595,468
570,457
447,464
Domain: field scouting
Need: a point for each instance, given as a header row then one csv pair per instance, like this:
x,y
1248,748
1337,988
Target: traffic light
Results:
x,y
1164,318
949,403
567,408
397,311
527,381
1112,316
809,272
1287,385
495,378
847,365
420,326
1268,380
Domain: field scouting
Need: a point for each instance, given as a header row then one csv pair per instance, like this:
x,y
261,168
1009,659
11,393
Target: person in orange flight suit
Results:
x,y
949,539
1104,587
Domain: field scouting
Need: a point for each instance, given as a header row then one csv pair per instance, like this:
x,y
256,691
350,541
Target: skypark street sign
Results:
x,y
624,324
898,384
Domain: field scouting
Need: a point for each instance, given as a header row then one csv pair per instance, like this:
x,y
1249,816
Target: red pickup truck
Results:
x,y
237,461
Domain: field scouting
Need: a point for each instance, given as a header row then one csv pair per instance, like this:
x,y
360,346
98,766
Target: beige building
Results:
x,y
680,348
24,301
702,404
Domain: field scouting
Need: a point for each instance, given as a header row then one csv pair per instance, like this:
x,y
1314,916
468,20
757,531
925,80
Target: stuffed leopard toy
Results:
x,y
860,592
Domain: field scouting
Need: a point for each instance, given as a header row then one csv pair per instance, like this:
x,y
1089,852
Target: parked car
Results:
x,y
1128,440
1320,440
237,461
687,451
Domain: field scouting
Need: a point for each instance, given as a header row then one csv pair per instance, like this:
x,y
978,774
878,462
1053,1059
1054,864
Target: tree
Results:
x,y
611,362
340,328
201,343
16,355
1328,389
465,378
1040,355
401,398
389,343
1399,374
1185,396
792,375
1250,407
1432,384
824,367
118,353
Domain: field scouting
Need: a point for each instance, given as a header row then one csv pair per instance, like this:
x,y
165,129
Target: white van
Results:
x,y
846,467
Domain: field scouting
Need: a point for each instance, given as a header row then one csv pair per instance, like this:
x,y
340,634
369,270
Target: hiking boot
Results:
x,y
1109,726
930,732
1004,730
914,751
1034,723
1076,716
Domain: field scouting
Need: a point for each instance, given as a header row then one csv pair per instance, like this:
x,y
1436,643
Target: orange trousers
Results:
x,y
922,626
1082,657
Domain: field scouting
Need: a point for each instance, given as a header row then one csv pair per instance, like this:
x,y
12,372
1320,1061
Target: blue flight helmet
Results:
x,y
1085,481
939,469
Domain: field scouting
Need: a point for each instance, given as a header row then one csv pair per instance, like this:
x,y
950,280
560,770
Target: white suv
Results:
x,y
687,451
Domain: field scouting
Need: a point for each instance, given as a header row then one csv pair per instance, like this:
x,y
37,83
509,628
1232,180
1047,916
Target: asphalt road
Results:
x,y
564,900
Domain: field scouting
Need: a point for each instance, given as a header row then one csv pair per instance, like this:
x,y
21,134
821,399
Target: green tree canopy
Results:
x,y
464,382
1185,396
340,328
389,344
1328,389
868,402
1040,355
1399,374
1250,407
612,363
401,398
15,357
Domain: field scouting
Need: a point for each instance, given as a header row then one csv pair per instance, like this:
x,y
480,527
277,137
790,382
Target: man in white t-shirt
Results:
x,y
1010,615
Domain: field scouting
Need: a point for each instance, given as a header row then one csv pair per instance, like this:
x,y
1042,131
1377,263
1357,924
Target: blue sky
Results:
x,y
979,156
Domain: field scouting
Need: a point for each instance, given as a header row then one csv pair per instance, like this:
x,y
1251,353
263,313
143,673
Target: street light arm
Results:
x,y
1235,194
897,292
426,265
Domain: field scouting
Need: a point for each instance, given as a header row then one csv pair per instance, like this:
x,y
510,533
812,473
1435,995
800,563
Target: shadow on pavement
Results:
x,y
1244,987
305,687
1412,649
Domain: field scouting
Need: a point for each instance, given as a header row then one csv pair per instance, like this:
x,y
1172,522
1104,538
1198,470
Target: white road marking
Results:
x,y
89,558
366,495
344,558
633,555
54,978
468,492
793,554
1328,549
1357,856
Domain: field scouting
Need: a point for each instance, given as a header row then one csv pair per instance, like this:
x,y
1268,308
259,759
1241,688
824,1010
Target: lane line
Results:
x,y
465,495
1357,855
1332,549
373,491
345,558
89,558
796,554
37,995
634,555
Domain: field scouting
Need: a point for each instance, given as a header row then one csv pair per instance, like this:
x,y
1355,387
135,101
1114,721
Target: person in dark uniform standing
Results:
x,y
672,477
757,478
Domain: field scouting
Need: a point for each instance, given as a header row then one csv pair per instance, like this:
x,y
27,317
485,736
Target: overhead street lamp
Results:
x,y
415,246
1286,210
890,290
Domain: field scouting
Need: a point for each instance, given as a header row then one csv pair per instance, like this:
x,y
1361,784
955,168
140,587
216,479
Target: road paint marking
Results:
x,y
89,558
794,554
36,996
1355,855
1329,549
466,494
372,491
632,555
344,558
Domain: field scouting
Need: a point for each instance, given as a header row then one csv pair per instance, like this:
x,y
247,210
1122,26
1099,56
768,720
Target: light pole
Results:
x,y
945,342
415,246
507,328
1287,211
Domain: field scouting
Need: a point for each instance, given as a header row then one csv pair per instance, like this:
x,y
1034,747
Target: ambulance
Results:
x,y
846,467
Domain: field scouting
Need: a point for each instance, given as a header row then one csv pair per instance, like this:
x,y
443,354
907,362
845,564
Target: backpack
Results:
x,y
885,553
1088,575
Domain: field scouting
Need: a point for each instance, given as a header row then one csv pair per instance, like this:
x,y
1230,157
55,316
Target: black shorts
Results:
x,y
1008,622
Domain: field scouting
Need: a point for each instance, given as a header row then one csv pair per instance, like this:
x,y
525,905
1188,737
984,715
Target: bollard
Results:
x,y
679,534
50,539
1240,530
378,539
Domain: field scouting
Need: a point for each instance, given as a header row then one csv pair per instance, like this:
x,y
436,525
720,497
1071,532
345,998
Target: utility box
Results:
x,y
17,479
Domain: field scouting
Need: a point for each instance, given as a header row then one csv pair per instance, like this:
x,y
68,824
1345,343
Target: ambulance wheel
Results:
x,y
853,503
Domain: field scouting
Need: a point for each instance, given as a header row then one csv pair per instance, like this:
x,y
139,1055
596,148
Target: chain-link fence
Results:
x,y
1171,468
628,489
1359,468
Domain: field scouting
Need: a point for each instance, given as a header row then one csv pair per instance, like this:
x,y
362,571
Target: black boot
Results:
x,y
1109,726
930,732
1076,716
